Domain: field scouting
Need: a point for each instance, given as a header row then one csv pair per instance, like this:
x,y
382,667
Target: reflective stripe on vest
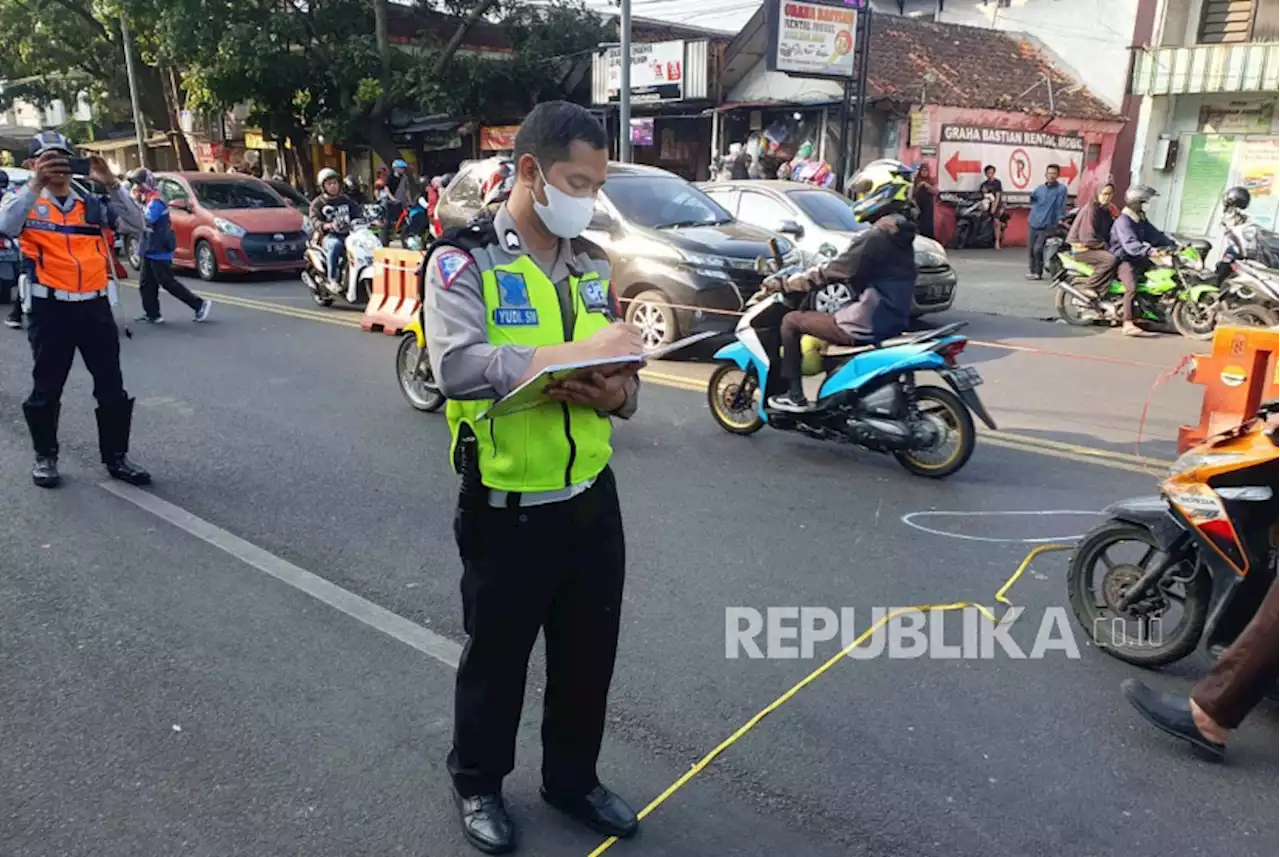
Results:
x,y
68,252
554,445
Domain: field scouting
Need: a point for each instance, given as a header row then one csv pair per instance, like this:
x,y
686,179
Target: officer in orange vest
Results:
x,y
69,292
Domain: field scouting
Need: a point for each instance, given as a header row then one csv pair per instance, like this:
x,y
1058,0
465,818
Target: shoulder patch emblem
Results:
x,y
42,208
451,263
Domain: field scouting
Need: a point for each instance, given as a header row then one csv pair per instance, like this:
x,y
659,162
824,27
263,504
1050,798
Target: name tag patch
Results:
x,y
513,295
515,317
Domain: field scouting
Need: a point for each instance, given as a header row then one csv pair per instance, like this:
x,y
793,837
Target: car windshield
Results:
x,y
663,202
224,194
291,195
828,210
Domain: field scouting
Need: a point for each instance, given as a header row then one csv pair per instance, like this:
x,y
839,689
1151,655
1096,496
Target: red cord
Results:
x,y
1184,366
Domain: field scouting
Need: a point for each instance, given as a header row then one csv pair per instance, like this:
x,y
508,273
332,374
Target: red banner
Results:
x,y
498,138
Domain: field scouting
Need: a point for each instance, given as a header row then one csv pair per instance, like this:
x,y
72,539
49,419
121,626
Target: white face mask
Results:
x,y
565,216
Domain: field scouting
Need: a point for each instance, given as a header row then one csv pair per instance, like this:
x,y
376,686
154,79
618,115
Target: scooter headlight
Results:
x,y
1194,460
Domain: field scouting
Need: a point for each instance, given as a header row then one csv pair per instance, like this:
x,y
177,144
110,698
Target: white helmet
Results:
x,y
326,174
1139,195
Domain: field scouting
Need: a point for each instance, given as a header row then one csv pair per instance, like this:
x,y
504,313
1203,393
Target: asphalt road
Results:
x,y
165,694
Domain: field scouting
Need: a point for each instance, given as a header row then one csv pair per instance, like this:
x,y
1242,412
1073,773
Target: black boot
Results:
x,y
43,423
114,422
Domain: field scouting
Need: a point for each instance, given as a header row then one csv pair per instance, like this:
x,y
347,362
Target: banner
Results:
x,y
813,39
1208,167
657,72
498,138
1020,158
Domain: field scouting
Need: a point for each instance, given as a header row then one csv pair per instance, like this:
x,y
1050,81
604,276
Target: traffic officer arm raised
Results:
x,y
123,212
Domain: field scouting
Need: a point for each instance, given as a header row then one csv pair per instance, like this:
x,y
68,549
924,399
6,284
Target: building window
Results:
x,y
1235,21
1093,154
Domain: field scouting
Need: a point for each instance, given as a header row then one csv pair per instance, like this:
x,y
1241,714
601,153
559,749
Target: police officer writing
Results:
x,y
538,525
68,268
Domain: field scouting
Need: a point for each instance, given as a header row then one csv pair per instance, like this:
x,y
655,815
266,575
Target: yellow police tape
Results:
x,y
811,677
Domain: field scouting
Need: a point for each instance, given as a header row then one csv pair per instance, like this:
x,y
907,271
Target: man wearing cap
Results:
x,y
68,267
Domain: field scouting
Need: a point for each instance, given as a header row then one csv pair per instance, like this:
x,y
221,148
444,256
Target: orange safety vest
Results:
x,y
68,250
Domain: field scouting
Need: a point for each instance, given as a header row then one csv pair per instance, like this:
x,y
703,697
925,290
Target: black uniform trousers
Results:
x,y
56,330
155,274
558,567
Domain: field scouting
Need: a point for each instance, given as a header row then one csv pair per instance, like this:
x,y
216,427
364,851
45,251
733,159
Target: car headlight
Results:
x,y
1193,460
226,227
702,260
930,260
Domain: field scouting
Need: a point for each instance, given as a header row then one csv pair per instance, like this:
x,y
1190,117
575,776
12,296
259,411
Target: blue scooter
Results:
x,y
869,396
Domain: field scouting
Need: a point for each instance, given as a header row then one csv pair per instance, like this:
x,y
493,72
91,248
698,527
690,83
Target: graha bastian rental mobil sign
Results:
x,y
1020,157
811,39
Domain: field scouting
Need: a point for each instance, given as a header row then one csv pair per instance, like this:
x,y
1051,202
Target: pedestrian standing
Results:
x,y
923,194
1048,206
538,525
156,252
992,191
68,270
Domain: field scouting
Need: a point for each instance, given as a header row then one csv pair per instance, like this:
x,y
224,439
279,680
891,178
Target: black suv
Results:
x,y
681,263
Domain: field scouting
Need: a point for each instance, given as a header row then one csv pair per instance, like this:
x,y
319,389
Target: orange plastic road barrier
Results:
x,y
1241,373
393,298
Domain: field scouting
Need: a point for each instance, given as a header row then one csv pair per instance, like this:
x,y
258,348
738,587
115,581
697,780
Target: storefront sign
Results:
x,y
1237,117
811,39
1258,167
642,132
1020,157
921,129
657,72
1208,167
498,138
256,140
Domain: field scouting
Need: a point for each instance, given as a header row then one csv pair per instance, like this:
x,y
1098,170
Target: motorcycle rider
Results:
x,y
331,215
1133,241
878,266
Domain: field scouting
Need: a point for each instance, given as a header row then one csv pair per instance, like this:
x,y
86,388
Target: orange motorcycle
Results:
x,y
1187,569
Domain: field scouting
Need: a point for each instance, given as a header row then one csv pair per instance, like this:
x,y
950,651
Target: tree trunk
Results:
x,y
300,141
456,42
380,139
154,103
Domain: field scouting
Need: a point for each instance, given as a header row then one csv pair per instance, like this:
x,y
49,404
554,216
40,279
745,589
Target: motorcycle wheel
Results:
x,y
316,296
936,403
1071,311
1195,319
959,240
419,389
1101,621
1250,315
733,396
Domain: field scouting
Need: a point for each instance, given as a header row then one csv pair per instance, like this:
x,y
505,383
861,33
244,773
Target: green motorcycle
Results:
x,y
1175,292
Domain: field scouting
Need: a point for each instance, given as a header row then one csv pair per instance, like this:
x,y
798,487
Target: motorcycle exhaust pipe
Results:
x,y
1066,286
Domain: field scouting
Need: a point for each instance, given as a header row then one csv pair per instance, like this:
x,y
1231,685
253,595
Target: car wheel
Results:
x,y
832,297
651,312
206,261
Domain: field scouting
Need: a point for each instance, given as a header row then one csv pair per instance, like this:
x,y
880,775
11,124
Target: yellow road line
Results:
x,y
1007,440
813,676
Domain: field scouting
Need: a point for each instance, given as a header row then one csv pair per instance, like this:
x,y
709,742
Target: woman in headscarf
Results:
x,y
1089,235
923,193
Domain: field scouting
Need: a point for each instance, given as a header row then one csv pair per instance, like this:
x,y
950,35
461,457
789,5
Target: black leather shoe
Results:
x,y
124,469
45,473
486,824
1170,713
599,809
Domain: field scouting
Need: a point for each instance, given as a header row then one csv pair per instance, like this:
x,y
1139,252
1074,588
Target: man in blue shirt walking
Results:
x,y
1048,206
156,252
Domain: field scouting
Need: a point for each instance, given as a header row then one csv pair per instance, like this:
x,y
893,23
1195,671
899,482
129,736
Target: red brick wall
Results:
x,y
1092,176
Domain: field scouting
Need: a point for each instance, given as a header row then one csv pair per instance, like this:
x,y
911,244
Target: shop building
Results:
x,y
674,85
1206,82
954,97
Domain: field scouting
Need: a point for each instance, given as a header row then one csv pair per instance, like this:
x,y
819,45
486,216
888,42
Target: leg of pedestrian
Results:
x,y
53,348
175,287
99,343
149,287
582,640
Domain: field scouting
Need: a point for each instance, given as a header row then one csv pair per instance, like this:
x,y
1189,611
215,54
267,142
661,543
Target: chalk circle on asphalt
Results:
x,y
913,520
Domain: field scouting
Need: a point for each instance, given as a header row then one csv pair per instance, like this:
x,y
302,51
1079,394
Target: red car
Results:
x,y
226,223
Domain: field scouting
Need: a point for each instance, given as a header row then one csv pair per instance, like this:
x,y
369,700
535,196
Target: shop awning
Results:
x,y
123,143
772,105
426,125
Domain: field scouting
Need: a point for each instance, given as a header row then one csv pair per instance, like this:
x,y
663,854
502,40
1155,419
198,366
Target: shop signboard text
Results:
x,y
657,72
811,39
1020,158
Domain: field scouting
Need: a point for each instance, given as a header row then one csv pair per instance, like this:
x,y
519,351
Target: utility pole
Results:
x,y
138,128
624,84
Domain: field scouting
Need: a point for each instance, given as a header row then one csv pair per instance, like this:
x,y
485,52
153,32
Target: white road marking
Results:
x,y
441,648
909,520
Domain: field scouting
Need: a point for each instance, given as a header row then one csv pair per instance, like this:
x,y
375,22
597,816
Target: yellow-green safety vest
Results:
x,y
552,446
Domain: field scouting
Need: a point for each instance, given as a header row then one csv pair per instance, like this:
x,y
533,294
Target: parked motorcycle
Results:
x,y
974,226
355,264
413,363
1054,242
1254,292
1202,553
869,396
